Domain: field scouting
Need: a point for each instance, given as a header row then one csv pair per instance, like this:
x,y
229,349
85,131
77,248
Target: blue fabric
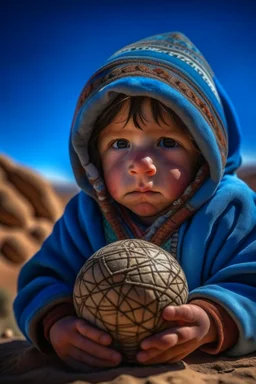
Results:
x,y
216,250
216,245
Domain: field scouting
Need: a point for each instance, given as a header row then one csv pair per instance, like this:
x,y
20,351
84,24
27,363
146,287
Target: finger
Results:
x,y
162,360
179,357
161,341
185,313
93,333
144,356
169,338
79,359
182,355
174,354
101,352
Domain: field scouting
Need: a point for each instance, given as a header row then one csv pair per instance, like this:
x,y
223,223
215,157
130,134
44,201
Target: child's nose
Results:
x,y
142,166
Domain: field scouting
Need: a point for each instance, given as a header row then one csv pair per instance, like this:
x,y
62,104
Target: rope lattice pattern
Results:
x,y
123,289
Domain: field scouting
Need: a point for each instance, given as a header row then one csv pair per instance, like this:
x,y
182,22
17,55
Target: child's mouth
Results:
x,y
145,193
143,190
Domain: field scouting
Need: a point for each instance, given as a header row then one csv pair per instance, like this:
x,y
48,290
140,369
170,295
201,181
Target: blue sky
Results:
x,y
50,48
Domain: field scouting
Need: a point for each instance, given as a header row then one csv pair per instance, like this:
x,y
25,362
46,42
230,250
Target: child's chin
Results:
x,y
147,217
145,212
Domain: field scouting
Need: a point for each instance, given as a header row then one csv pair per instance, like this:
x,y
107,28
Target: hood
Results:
x,y
167,67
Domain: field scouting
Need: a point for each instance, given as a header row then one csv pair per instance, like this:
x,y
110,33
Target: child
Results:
x,y
154,147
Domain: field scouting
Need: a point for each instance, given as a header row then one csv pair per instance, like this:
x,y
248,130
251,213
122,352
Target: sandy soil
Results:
x,y
19,363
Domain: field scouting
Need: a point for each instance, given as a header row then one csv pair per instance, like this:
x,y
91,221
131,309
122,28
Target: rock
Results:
x,y
18,246
5,303
8,326
29,207
15,210
40,229
34,187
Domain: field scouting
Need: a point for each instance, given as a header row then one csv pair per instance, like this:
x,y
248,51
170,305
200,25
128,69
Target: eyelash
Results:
x,y
127,142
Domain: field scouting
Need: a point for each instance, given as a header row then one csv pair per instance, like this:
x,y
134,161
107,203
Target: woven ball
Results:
x,y
124,287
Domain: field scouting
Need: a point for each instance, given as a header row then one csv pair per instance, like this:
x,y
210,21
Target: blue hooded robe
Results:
x,y
210,229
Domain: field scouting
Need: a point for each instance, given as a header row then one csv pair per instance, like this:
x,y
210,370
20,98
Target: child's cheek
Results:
x,y
112,180
115,173
179,181
113,191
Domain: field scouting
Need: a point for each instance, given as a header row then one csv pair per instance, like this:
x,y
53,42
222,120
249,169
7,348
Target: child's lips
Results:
x,y
143,189
143,192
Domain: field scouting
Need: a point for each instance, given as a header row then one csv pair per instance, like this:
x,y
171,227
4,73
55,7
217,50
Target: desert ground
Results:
x,y
29,207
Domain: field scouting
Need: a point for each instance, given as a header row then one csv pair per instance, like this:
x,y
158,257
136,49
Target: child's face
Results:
x,y
146,170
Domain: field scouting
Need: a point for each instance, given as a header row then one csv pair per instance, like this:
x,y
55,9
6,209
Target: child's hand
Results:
x,y
192,328
79,344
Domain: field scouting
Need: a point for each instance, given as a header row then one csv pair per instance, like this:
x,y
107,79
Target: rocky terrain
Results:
x,y
29,207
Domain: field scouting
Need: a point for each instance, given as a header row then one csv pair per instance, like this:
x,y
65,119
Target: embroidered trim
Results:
x,y
185,58
170,77
171,245
171,45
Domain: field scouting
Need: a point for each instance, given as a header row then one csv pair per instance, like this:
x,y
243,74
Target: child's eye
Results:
x,y
121,143
167,143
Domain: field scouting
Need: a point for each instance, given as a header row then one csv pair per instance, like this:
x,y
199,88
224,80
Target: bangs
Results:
x,y
136,112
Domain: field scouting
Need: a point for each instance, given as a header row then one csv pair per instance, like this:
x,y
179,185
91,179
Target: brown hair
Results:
x,y
135,112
